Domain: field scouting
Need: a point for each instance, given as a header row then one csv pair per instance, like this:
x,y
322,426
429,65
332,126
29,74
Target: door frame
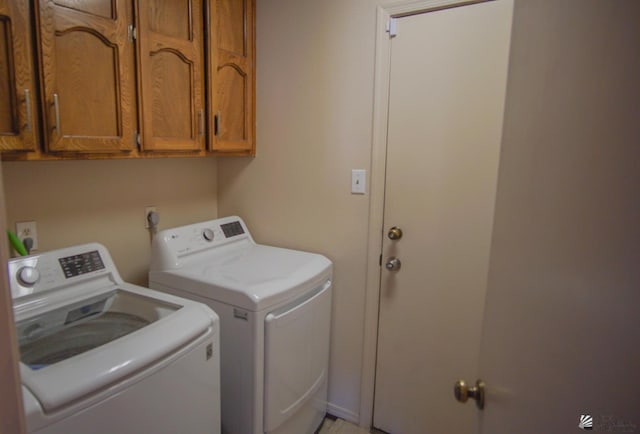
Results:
x,y
12,417
382,70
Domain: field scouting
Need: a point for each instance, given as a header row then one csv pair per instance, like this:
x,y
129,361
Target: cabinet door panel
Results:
x,y
104,9
231,76
17,87
93,94
231,91
88,75
8,112
231,26
170,18
171,87
171,63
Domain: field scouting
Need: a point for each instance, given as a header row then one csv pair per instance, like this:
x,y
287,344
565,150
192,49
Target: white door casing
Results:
x,y
11,409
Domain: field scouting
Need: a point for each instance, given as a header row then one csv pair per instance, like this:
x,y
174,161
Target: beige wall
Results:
x,y
314,113
315,97
75,202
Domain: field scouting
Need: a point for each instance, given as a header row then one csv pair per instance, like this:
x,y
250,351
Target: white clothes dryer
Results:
x,y
275,312
99,355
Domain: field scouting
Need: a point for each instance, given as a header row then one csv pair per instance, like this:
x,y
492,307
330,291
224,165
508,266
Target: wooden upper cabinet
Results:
x,y
111,86
231,90
18,95
171,60
88,75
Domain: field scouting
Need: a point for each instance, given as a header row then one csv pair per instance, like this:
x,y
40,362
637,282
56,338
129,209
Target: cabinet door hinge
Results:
x,y
392,27
131,30
137,139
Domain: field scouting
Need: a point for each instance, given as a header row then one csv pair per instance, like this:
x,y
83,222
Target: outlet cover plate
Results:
x,y
28,230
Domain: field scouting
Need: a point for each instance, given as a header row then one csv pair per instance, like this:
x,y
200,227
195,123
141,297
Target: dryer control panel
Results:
x,y
232,229
173,247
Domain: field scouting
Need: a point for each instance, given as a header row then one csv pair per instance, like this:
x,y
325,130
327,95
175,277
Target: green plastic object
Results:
x,y
16,243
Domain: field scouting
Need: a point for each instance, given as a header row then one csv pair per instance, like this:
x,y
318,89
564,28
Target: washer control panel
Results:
x,y
57,268
82,263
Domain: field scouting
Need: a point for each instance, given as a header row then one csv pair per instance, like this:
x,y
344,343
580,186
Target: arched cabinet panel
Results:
x,y
231,93
88,76
94,95
231,76
171,86
171,61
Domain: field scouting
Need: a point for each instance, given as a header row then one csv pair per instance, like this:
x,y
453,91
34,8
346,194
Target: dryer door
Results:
x,y
296,355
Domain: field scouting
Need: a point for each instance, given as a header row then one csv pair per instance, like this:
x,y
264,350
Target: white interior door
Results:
x,y
447,92
562,329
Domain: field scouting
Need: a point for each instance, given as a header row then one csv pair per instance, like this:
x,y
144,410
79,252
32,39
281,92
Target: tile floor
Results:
x,y
340,426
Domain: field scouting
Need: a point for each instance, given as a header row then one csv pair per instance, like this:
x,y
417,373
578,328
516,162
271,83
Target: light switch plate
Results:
x,y
358,181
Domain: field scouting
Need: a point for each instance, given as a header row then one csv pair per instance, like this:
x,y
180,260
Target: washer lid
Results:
x,y
253,278
83,348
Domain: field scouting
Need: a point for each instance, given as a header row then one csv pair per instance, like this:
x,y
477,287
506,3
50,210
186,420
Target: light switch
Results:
x,y
358,181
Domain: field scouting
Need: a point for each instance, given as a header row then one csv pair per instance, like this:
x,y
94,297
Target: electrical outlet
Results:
x,y
147,210
28,230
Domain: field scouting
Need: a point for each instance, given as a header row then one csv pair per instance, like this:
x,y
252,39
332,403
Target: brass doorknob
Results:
x,y
395,233
463,392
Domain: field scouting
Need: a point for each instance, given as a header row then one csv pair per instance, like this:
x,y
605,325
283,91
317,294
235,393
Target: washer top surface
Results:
x,y
234,269
80,328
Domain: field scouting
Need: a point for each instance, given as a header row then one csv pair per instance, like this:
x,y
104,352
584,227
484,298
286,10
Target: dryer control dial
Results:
x,y
208,234
28,276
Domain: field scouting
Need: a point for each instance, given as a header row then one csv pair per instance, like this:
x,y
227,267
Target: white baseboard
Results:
x,y
343,413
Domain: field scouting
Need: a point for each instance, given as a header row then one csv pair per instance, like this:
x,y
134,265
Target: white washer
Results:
x,y
103,356
275,312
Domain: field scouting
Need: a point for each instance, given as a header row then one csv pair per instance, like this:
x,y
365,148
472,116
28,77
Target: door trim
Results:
x,y
12,417
376,204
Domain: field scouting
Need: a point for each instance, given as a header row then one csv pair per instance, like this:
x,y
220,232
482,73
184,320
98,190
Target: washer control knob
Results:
x,y
208,234
28,276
